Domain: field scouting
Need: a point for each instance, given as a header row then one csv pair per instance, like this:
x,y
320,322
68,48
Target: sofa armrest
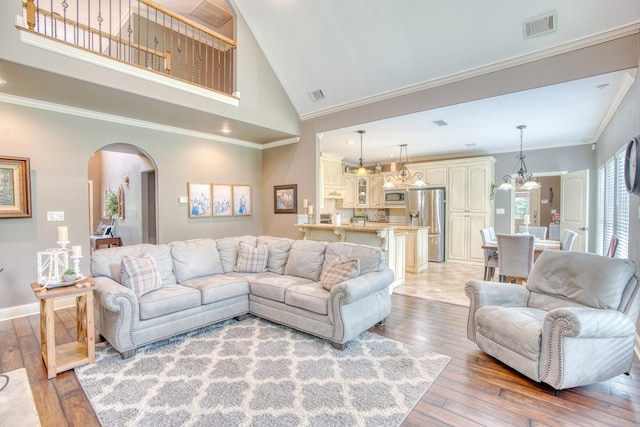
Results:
x,y
584,345
117,313
359,287
482,293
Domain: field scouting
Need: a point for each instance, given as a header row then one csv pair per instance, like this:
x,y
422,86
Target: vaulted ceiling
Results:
x,y
358,51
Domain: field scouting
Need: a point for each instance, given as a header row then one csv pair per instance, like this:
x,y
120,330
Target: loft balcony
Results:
x,y
142,34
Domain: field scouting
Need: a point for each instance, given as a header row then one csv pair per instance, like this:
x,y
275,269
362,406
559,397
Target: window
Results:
x,y
613,207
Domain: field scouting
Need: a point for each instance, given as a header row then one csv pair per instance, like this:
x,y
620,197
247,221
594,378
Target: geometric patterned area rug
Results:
x,y
258,373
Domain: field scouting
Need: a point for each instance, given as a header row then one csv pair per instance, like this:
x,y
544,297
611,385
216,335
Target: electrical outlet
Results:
x,y
55,216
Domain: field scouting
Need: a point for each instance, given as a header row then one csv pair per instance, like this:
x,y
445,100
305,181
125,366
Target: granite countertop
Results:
x,y
373,226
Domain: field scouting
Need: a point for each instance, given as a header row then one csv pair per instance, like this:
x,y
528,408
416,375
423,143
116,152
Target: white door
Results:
x,y
574,207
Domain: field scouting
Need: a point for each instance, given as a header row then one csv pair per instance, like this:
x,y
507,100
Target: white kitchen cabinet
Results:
x,y
376,190
468,208
349,200
362,191
417,250
435,176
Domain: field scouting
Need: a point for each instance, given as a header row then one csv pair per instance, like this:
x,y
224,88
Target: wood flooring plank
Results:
x,y
474,389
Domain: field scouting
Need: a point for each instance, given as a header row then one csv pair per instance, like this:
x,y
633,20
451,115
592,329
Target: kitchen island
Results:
x,y
391,238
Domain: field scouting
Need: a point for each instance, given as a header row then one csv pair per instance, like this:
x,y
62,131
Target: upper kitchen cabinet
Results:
x,y
469,186
376,190
332,180
436,176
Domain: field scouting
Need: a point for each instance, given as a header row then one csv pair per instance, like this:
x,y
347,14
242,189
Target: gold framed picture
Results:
x,y
15,187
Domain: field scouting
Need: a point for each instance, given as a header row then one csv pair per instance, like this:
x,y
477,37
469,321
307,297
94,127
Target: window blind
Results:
x,y
621,228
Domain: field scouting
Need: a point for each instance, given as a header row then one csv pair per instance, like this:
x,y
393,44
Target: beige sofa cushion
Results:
x,y
371,258
279,249
108,262
195,258
305,259
228,250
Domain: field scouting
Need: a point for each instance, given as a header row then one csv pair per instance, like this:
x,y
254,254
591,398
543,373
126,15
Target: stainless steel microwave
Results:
x,y
395,197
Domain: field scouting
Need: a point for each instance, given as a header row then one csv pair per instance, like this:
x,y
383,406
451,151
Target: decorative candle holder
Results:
x,y
76,263
63,245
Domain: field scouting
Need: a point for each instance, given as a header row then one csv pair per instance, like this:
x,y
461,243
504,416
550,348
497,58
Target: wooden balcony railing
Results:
x,y
141,33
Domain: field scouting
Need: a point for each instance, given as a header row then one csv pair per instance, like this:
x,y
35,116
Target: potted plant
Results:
x,y
69,275
112,204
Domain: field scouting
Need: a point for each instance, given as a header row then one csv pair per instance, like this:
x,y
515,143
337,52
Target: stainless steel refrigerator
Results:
x,y
426,208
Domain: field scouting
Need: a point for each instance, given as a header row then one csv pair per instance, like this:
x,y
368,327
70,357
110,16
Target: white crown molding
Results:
x,y
627,81
582,43
63,48
34,308
281,142
89,114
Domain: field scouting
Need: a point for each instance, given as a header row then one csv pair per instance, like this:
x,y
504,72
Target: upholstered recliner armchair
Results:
x,y
572,324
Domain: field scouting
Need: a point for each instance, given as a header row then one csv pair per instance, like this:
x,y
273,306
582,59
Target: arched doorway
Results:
x,y
126,174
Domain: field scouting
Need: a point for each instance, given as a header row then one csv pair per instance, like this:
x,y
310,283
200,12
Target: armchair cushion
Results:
x,y
576,278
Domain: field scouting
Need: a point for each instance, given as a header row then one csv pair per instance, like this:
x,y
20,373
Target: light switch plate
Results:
x,y
500,211
182,199
55,215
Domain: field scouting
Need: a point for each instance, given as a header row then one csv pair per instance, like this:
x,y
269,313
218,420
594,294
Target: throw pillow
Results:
x,y
140,274
252,260
339,270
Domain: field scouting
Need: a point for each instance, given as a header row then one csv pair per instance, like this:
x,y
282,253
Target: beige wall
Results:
x,y
60,147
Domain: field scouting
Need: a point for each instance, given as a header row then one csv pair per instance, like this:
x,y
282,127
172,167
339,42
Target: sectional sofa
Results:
x,y
150,292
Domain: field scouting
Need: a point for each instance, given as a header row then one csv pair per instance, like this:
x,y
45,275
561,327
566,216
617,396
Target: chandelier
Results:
x,y
520,177
403,174
361,170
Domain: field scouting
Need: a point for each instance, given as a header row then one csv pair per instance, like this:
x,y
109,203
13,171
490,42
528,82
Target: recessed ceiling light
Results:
x,y
3,82
226,130
603,86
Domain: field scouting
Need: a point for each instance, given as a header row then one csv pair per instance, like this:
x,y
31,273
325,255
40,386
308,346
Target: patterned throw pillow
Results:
x,y
339,270
140,274
252,260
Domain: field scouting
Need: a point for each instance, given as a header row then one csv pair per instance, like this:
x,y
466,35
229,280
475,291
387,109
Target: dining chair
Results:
x,y
539,232
492,233
490,255
515,258
567,239
613,245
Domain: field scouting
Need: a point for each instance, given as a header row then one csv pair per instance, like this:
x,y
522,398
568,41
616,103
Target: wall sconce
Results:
x,y
126,179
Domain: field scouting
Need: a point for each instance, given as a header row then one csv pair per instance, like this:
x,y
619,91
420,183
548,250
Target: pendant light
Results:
x,y
361,170
520,176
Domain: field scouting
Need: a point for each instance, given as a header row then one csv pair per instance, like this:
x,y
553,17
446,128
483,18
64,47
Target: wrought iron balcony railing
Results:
x,y
141,33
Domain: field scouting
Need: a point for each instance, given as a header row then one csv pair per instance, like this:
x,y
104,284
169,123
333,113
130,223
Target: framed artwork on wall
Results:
x,y
241,200
199,200
15,187
222,200
285,198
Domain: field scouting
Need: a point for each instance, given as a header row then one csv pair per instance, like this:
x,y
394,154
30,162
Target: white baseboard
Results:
x,y
29,309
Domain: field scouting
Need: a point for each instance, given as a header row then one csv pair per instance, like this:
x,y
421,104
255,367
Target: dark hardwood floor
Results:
x,y
473,390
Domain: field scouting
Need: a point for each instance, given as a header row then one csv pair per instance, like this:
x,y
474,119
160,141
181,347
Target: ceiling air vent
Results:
x,y
540,25
440,123
316,95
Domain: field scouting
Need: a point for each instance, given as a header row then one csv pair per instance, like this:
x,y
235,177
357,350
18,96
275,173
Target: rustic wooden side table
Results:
x,y
66,356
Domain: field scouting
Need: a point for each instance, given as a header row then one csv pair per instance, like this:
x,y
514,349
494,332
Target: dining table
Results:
x,y
540,245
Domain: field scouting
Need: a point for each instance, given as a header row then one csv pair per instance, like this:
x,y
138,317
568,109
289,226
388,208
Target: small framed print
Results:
x,y
199,200
15,187
241,200
285,198
222,200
